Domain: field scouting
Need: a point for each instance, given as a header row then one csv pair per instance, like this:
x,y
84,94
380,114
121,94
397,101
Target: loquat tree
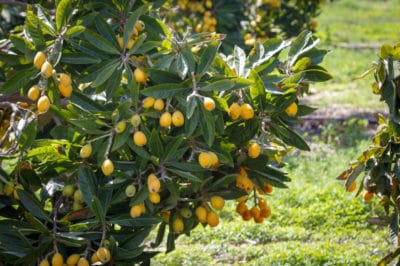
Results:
x,y
114,125
379,165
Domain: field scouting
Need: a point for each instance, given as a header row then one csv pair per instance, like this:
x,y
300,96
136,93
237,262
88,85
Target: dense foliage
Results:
x,y
112,124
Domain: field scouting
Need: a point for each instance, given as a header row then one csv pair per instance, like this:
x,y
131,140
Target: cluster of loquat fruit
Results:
x,y
38,93
202,13
100,256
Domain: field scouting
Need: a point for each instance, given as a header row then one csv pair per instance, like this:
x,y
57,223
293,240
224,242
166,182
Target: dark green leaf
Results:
x,y
100,42
163,76
164,91
105,73
140,196
19,80
220,85
289,136
79,59
160,235
207,57
155,145
208,126
32,205
185,174
130,24
98,209
87,184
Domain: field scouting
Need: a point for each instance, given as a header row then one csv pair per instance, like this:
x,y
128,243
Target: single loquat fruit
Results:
x,y
73,259
178,119
57,259
208,103
178,226
165,119
201,214
83,262
217,202
352,187
254,150
291,110
65,90
130,190
136,120
43,104
148,102
154,197
140,76
65,79
39,59
136,211
46,70
212,219
34,93
367,195
153,183
107,167
120,127
86,151
103,254
246,111
158,104
139,138
44,262
68,190
234,111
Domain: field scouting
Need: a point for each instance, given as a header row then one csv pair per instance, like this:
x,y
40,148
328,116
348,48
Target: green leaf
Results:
x,y
137,238
105,72
100,42
239,61
22,44
316,75
257,88
126,220
289,136
160,235
299,43
170,241
64,10
74,31
220,85
224,181
185,174
164,91
19,80
98,209
32,205
32,25
121,139
163,76
155,145
113,83
207,124
394,228
87,184
172,148
79,59
182,66
26,133
207,57
127,254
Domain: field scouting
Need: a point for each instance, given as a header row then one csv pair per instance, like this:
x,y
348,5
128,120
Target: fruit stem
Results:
x,y
110,141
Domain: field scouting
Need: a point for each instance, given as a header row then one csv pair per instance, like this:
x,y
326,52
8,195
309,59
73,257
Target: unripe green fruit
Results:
x,y
186,213
68,190
135,120
120,127
130,191
78,196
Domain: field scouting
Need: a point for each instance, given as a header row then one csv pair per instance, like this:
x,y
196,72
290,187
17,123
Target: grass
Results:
x,y
315,222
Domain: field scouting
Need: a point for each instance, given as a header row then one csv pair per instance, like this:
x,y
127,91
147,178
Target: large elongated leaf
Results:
x,y
164,91
87,184
155,144
32,205
130,24
289,136
63,12
208,126
299,43
239,61
207,57
103,73
100,42
220,85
